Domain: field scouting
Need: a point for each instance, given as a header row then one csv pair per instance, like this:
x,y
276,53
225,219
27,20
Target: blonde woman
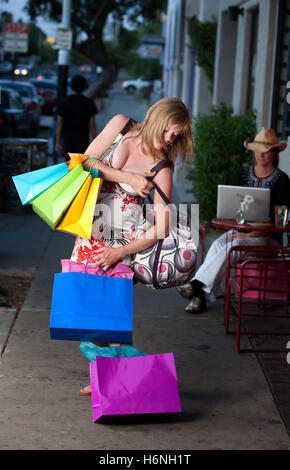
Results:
x,y
126,153
125,158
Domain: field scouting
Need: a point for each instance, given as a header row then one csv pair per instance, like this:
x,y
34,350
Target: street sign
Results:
x,y
16,37
63,39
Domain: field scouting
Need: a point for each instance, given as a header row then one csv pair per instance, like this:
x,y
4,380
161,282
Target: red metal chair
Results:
x,y
258,287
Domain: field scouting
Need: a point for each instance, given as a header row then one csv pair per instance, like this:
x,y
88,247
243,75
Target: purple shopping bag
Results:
x,y
134,385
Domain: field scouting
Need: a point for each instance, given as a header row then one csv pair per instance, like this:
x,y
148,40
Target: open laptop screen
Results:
x,y
229,200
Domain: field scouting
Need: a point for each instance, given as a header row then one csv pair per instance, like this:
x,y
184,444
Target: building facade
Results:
x,y
252,63
179,70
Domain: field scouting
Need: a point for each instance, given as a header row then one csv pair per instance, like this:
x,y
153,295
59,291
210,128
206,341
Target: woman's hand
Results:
x,y
237,235
58,149
90,163
140,184
107,256
137,181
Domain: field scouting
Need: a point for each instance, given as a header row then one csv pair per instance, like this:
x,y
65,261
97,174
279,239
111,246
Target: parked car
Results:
x,y
130,86
6,66
45,74
16,119
22,69
47,90
88,72
86,68
28,94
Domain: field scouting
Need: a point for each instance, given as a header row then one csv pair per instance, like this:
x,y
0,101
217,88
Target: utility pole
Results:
x,y
63,54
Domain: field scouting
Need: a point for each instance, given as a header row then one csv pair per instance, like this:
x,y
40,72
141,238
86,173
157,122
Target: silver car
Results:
x,y
28,94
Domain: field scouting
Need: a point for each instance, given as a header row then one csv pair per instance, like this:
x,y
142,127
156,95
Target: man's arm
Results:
x,y
93,127
58,146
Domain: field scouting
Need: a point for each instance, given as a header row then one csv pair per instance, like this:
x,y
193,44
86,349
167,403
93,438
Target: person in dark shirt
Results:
x,y
264,173
75,120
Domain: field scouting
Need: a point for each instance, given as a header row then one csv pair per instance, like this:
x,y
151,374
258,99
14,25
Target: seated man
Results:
x,y
264,173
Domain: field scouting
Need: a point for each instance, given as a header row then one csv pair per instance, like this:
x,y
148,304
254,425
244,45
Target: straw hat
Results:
x,y
264,141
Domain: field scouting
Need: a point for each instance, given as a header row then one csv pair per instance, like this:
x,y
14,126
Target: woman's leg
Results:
x,y
212,272
207,274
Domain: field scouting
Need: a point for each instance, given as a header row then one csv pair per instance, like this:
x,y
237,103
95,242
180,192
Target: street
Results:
x,y
226,400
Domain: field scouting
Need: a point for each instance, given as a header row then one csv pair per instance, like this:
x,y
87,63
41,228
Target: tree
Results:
x,y
123,53
219,153
203,39
5,17
89,16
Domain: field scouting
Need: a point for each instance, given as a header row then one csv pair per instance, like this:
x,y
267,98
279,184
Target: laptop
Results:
x,y
229,200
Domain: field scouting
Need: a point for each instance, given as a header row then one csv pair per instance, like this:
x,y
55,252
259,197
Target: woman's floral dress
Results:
x,y
117,215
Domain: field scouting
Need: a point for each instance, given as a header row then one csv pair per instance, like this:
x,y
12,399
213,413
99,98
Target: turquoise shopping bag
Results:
x,y
32,184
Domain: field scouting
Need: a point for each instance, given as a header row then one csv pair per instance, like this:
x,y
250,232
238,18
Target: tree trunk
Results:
x,y
94,49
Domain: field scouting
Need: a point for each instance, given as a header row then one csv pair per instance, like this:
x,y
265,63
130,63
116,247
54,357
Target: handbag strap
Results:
x,y
158,167
128,126
155,264
92,256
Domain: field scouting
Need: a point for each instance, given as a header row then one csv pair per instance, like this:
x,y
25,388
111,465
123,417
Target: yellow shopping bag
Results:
x,y
79,218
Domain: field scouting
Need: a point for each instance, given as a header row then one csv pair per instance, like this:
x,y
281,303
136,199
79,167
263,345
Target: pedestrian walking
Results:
x,y
75,120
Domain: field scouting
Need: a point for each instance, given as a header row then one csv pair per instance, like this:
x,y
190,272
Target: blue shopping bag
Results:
x,y
32,184
90,307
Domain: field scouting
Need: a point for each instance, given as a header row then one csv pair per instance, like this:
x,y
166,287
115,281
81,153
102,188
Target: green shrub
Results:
x,y
203,41
219,153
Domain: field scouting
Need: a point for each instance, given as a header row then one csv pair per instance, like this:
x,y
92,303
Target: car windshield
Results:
x,y
25,91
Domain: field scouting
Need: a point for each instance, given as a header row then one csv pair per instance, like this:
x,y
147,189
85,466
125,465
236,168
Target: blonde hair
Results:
x,y
167,112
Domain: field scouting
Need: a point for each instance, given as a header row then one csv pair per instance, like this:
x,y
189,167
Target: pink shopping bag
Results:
x,y
119,270
134,386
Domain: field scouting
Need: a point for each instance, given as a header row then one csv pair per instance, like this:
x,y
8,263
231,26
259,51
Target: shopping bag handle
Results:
x,y
122,345
87,263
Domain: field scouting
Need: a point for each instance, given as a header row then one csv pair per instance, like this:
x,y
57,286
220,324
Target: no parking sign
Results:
x,y
16,37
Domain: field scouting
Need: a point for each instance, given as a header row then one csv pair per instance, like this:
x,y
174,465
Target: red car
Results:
x,y
47,92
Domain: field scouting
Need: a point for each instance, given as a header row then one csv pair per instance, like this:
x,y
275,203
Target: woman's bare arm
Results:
x,y
58,132
164,179
253,234
105,138
98,147
93,126
107,256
